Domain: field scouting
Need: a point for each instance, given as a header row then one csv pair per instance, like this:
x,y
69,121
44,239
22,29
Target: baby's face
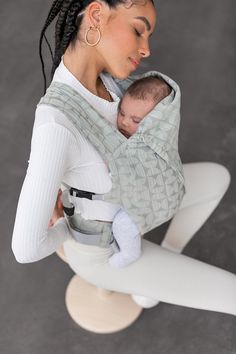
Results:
x,y
131,113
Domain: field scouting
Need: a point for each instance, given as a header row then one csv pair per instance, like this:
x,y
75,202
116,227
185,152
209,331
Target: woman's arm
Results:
x,y
32,238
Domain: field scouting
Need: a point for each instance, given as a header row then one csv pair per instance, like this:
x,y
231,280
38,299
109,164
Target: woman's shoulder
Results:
x,y
49,115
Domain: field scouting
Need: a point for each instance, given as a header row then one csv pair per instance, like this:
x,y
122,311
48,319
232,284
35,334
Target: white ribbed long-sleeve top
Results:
x,y
60,154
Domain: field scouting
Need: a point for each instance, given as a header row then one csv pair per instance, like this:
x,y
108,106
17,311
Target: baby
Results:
x,y
139,99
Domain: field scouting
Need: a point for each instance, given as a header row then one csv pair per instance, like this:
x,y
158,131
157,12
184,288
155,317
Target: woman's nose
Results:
x,y
145,50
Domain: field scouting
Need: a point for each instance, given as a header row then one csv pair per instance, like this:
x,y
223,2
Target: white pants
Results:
x,y
163,274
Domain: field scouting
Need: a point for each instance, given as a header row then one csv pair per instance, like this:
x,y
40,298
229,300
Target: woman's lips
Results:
x,y
134,62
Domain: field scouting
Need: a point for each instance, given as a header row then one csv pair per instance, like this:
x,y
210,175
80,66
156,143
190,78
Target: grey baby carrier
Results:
x,y
146,171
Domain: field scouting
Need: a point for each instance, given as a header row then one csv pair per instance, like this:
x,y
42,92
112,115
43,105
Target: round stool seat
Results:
x,y
99,310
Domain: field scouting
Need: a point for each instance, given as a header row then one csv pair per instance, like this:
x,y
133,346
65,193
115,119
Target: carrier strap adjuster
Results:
x,y
81,194
85,194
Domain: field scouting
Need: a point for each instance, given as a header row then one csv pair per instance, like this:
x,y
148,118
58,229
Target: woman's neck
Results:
x,y
86,68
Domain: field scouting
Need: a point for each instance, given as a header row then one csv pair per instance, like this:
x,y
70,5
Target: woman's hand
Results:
x,y
58,210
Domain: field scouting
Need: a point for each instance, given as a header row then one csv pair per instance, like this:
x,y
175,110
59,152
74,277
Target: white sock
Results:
x,y
144,301
128,238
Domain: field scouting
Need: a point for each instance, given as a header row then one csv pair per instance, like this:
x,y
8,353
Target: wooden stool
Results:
x,y
61,254
98,310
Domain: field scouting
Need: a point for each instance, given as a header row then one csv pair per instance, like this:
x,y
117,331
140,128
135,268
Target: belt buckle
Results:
x,y
81,194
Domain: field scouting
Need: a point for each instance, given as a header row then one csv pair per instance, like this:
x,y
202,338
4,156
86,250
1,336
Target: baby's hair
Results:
x,y
69,14
152,88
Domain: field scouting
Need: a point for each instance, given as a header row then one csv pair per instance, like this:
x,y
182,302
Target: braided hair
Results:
x,y
67,27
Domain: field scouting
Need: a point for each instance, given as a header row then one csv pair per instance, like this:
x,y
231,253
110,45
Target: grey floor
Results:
x,y
195,44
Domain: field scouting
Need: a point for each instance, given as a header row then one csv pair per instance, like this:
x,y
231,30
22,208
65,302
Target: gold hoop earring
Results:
x,y
86,35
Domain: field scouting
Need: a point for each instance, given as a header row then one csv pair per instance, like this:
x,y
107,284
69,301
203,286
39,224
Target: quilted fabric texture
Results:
x,y
146,170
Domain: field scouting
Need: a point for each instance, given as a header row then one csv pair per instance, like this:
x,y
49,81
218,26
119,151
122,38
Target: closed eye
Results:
x,y
137,33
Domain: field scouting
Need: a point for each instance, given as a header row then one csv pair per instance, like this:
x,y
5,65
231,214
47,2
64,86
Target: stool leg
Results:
x,y
61,254
99,310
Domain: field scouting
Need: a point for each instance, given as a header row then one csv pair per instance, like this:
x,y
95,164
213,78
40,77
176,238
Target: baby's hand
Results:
x,y
128,238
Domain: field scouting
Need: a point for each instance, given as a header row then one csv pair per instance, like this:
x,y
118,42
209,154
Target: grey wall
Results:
x,y
195,44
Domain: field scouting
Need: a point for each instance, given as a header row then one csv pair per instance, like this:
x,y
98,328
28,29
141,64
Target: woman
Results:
x,y
96,41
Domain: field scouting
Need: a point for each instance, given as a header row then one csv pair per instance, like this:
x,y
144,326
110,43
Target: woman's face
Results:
x,y
125,38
